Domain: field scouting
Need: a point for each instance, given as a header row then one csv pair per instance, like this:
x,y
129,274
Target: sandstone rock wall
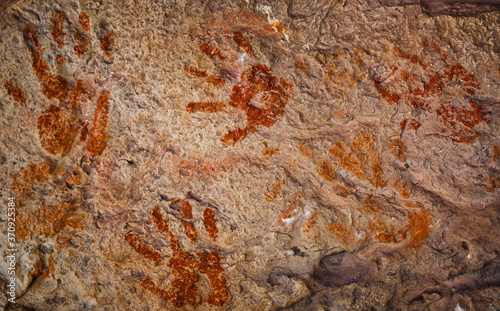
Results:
x,y
250,155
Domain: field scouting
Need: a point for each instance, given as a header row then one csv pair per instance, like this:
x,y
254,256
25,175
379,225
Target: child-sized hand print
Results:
x,y
258,93
186,268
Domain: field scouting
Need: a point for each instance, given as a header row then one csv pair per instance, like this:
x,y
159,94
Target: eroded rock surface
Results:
x,y
449,7
242,155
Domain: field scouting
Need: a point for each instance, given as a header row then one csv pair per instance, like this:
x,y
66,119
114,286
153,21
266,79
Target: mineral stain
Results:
x,y
57,28
107,44
52,86
15,91
98,135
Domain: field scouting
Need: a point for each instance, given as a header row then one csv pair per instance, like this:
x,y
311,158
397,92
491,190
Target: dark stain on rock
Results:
x,y
107,44
344,268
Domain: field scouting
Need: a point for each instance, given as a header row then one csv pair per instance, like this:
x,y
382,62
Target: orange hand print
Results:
x,y
77,114
447,93
59,126
186,267
258,93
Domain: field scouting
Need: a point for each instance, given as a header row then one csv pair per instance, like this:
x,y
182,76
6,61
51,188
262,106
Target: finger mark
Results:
x,y
107,44
15,91
207,107
52,86
211,51
242,42
216,81
57,28
143,249
195,71
210,225
84,21
98,136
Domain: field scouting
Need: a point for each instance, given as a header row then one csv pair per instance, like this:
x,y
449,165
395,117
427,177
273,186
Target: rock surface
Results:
x,y
243,155
449,7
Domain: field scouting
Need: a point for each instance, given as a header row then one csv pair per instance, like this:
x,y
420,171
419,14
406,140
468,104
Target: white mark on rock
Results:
x,y
266,9
242,58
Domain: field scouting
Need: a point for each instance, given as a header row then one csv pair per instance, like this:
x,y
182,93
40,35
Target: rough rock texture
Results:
x,y
242,155
461,7
4,4
449,7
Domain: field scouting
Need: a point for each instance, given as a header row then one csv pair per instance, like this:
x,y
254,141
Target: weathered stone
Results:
x,y
250,155
460,8
342,269
449,7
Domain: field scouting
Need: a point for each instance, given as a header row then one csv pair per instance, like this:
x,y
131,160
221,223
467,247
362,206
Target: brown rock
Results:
x,y
234,155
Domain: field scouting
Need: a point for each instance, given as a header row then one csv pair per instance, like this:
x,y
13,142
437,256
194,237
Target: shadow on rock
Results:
x,y
344,268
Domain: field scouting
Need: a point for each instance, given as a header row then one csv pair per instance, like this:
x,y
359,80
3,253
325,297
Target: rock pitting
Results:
x,y
250,155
